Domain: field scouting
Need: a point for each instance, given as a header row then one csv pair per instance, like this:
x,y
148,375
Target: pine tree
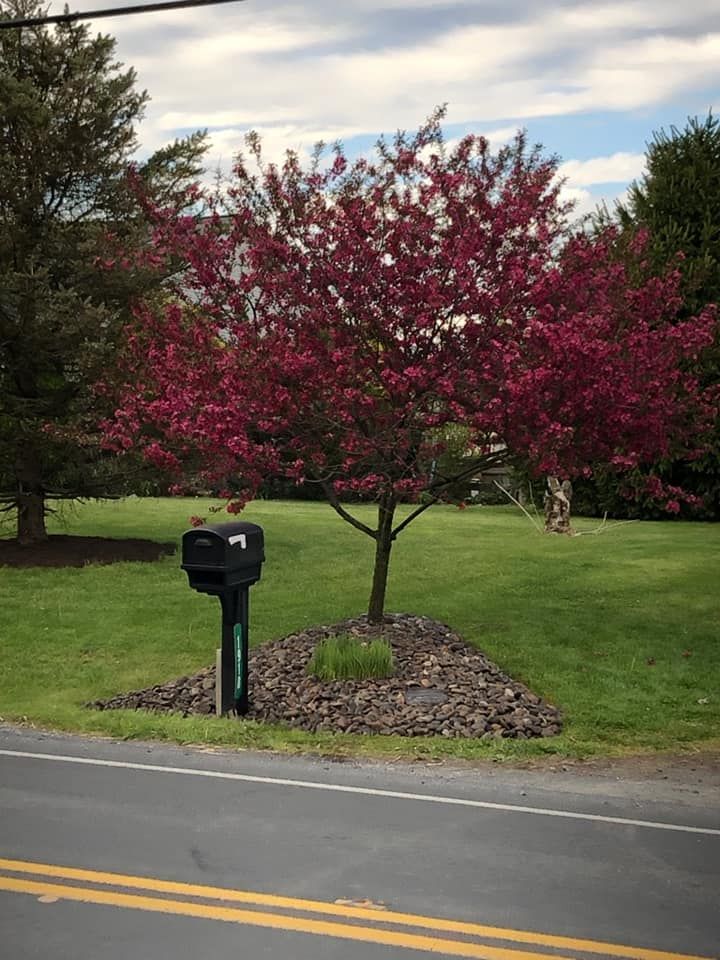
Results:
x,y
68,113
678,201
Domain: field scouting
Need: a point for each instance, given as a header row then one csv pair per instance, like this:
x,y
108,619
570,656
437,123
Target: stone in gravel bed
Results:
x,y
474,698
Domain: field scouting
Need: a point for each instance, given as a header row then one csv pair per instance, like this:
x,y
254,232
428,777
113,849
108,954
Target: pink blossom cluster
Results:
x,y
333,323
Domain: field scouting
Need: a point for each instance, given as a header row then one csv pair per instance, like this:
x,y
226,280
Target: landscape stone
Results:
x,y
465,694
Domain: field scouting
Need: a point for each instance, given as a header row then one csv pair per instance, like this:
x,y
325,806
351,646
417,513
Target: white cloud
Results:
x,y
617,168
496,138
582,200
226,143
615,16
585,202
264,38
331,71
641,73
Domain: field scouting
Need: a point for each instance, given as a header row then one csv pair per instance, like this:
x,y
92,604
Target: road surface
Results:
x,y
119,850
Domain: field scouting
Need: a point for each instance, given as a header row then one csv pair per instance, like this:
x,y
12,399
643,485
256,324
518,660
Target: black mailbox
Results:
x,y
225,560
222,556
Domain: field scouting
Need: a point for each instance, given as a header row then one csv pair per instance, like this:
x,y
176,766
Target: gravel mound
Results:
x,y
442,687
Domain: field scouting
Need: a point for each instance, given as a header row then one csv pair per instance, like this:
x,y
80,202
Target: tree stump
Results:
x,y
557,506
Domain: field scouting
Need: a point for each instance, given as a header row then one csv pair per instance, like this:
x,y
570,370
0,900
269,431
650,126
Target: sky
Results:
x,y
589,80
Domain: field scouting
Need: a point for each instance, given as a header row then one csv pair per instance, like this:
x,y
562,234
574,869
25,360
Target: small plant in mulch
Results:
x,y
345,657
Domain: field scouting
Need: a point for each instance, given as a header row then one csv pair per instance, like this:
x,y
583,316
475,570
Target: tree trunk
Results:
x,y
383,546
557,506
30,500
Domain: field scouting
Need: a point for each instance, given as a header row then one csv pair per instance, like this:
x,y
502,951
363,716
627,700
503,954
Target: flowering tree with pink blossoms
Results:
x,y
337,319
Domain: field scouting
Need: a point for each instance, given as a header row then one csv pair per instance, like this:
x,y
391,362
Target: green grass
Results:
x,y
576,619
345,657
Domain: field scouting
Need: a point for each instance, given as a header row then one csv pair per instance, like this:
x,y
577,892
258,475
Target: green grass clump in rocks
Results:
x,y
348,658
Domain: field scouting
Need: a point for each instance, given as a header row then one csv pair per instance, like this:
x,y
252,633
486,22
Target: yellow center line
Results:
x,y
328,928
435,924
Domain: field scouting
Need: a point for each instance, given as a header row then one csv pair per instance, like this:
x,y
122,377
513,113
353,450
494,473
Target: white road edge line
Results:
x,y
362,791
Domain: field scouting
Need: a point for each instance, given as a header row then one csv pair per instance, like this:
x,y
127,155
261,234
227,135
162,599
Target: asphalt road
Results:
x,y
126,850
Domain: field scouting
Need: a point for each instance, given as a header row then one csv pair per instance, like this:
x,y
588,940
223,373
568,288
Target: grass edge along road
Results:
x,y
618,630
14,873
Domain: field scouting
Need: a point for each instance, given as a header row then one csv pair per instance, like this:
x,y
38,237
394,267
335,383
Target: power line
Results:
x,y
109,12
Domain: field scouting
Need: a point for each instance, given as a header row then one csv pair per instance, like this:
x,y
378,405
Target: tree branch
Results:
x,y
486,462
603,528
416,513
341,511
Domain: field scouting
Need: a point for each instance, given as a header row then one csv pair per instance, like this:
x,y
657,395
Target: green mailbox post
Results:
x,y
225,560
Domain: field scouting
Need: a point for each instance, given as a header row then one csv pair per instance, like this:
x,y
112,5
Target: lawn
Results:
x,y
619,629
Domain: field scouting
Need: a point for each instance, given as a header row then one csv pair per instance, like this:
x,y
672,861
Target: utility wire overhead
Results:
x,y
109,12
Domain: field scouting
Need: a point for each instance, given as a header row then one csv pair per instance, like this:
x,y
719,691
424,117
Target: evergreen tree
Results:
x,y
678,202
68,113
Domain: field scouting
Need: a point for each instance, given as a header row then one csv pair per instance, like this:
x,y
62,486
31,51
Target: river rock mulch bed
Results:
x,y
441,686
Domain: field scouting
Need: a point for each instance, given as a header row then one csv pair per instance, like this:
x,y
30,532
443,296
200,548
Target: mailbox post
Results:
x,y
225,560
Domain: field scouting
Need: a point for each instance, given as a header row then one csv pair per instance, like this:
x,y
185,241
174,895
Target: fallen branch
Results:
x,y
517,503
603,528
